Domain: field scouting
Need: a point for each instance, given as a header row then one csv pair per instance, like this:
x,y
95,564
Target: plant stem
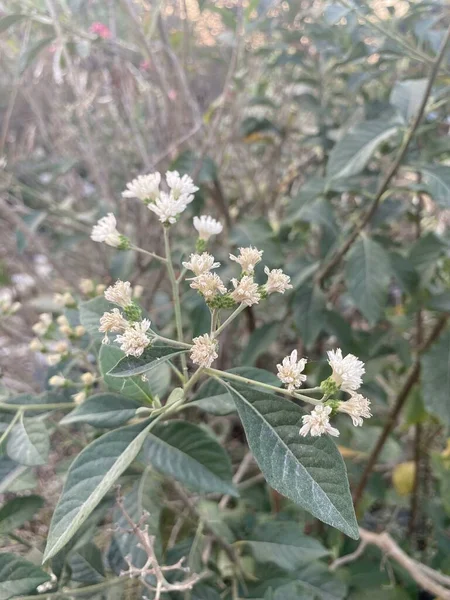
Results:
x,y
342,251
90,589
160,338
193,379
24,407
176,297
412,377
10,426
233,315
266,386
152,254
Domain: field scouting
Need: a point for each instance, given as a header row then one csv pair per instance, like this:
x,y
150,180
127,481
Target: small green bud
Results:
x,y
225,301
125,243
262,292
200,246
133,312
329,386
334,404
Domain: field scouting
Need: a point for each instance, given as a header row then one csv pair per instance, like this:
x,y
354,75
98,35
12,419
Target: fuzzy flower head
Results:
x,y
167,208
347,370
357,407
207,226
290,371
120,293
106,231
245,291
112,321
134,340
209,285
144,187
41,327
201,263
318,422
248,258
180,186
204,350
277,281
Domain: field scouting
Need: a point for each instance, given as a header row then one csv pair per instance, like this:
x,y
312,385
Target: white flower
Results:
x,y
318,422
80,397
86,286
290,371
61,347
79,330
144,187
112,321
347,370
87,378
57,381
209,285
204,350
53,359
207,226
100,289
201,263
277,281
180,186
120,293
105,231
248,258
36,345
65,299
167,208
246,291
62,320
41,327
134,339
357,407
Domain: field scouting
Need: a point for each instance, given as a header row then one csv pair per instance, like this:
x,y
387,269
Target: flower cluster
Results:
x,y
55,350
245,289
204,350
346,376
167,205
133,337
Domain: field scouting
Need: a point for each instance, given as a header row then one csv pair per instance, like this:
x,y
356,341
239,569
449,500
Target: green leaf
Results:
x,y
87,565
425,252
19,576
352,153
368,272
213,398
309,312
259,341
437,179
90,477
407,96
191,456
18,511
9,20
29,442
103,410
285,544
150,359
90,313
144,497
309,471
435,369
133,387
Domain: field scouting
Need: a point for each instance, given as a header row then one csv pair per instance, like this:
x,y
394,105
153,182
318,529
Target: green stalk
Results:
x,y
176,297
10,426
233,315
233,377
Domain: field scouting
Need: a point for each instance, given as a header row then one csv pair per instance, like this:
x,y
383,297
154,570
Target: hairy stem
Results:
x,y
233,315
176,297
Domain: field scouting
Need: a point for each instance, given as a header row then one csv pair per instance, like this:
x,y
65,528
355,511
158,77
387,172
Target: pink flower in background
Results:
x,y
172,94
145,65
101,30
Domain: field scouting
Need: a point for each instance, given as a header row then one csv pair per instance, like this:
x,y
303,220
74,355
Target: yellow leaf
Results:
x,y
403,477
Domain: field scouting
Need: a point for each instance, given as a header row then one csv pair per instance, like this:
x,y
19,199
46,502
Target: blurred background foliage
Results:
x,y
318,132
